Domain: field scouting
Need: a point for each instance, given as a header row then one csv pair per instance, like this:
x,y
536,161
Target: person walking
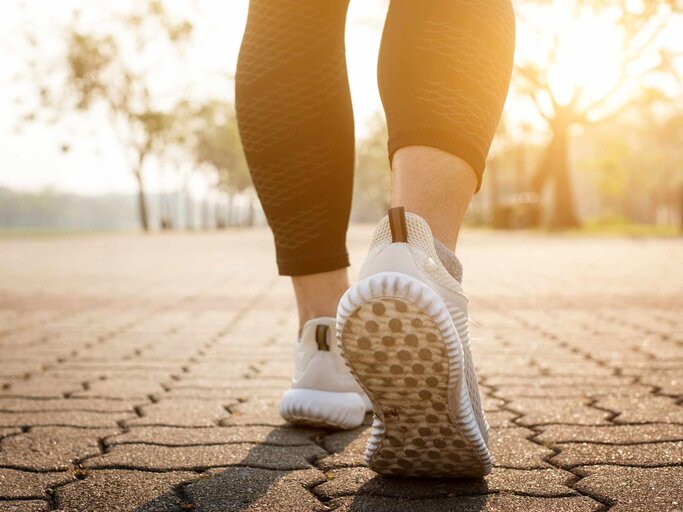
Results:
x,y
397,341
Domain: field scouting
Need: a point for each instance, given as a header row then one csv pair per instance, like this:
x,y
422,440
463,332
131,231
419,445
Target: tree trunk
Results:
x,y
564,209
229,217
680,207
142,203
250,213
555,165
494,192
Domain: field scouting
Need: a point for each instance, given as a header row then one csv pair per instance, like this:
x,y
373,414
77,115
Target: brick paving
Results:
x,y
143,373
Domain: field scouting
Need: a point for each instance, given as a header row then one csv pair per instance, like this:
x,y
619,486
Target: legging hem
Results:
x,y
442,139
316,265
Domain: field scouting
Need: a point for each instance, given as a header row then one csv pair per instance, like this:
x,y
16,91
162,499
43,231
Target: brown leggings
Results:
x,y
444,70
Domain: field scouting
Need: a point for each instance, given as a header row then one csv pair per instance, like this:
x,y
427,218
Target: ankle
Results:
x,y
318,295
435,185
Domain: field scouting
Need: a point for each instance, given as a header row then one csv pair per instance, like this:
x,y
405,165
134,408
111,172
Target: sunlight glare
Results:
x,y
588,58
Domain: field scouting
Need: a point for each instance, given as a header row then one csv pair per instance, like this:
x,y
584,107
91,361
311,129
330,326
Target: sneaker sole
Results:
x,y
400,344
316,408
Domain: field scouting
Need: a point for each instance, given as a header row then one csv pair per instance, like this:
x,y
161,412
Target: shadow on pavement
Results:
x,y
251,479
389,494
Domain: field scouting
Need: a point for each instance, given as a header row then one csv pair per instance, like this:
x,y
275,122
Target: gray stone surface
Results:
x,y
362,480
50,448
644,408
168,458
124,491
485,503
512,448
252,489
182,413
8,431
152,383
23,484
644,489
24,506
183,436
9,404
61,418
124,388
651,454
544,411
611,434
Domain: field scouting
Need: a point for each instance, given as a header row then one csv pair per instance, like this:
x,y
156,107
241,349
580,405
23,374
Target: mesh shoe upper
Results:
x,y
433,272
318,361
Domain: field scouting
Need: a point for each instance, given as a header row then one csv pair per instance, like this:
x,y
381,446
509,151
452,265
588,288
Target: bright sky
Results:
x,y
31,158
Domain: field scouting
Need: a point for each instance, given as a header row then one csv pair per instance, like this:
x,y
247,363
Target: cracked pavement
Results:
x,y
143,373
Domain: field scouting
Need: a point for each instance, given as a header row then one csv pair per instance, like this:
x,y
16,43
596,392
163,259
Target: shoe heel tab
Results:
x,y
322,337
398,224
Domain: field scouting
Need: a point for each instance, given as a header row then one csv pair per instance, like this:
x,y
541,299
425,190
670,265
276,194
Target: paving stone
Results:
x,y
179,436
501,419
539,411
18,368
164,458
219,393
650,454
643,409
24,506
120,388
486,503
232,385
62,418
350,481
583,367
23,484
668,382
346,448
218,370
253,489
181,413
646,365
42,387
8,431
11,404
511,448
576,391
90,375
124,491
256,411
491,404
613,434
109,337
51,448
642,489
149,367
502,381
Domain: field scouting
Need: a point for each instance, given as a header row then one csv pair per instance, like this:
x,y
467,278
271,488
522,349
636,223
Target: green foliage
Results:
x,y
217,144
110,66
372,176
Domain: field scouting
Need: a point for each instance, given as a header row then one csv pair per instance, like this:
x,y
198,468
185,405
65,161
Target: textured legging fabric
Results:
x,y
444,70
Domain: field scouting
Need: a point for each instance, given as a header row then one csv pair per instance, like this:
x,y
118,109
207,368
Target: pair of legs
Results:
x,y
443,73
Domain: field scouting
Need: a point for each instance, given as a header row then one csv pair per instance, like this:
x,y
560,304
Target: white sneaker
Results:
x,y
323,392
403,329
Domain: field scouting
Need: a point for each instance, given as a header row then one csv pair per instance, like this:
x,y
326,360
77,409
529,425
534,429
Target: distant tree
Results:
x,y
639,161
372,175
216,145
645,64
110,67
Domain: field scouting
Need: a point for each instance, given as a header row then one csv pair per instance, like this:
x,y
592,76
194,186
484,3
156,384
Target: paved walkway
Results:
x,y
143,373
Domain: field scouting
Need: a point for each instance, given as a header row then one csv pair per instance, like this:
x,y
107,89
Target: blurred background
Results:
x,y
119,116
